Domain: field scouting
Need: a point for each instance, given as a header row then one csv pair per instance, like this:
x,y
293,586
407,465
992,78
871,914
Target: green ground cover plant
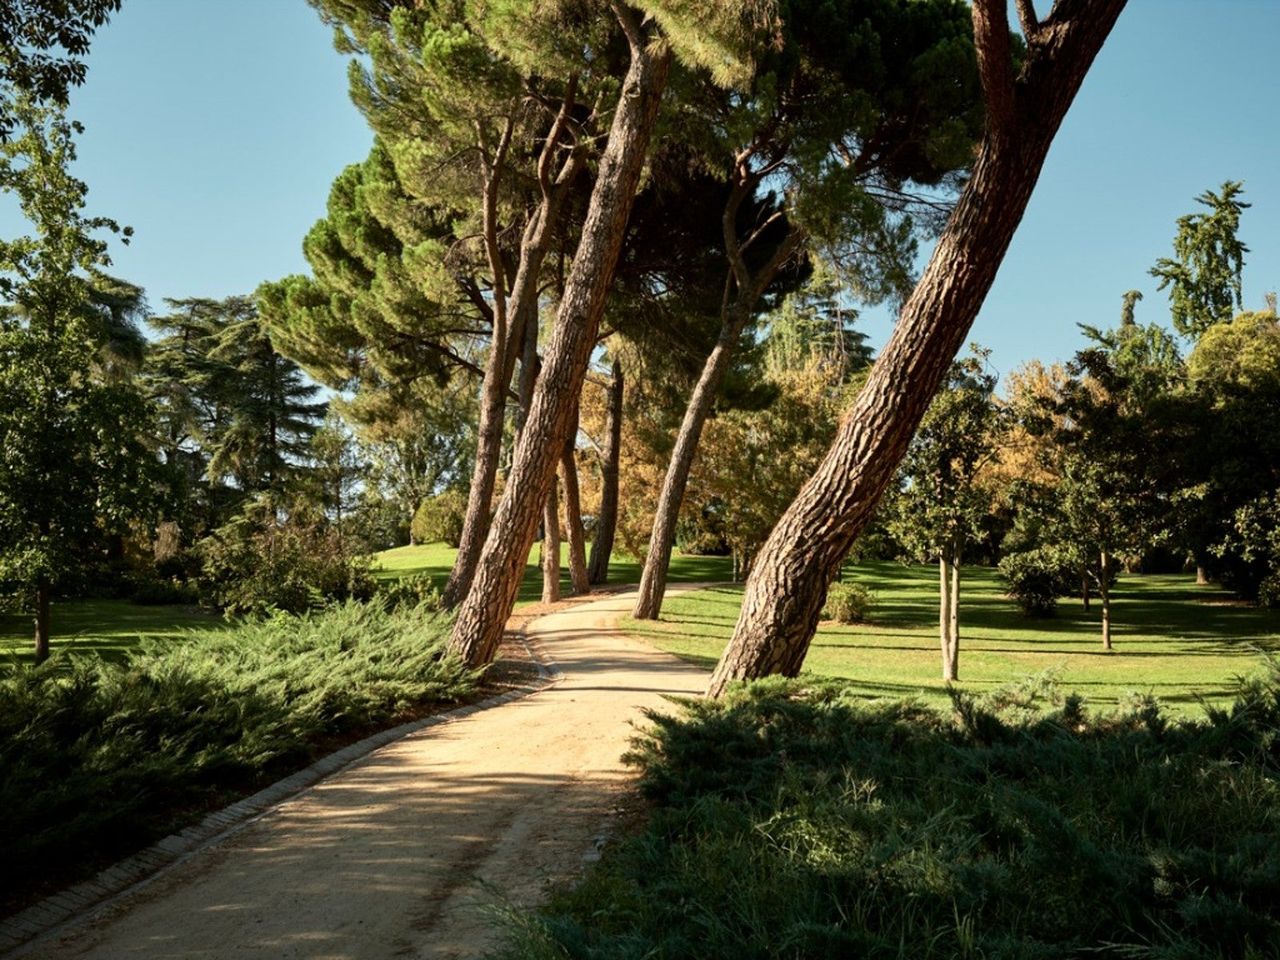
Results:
x,y
1176,641
799,820
103,755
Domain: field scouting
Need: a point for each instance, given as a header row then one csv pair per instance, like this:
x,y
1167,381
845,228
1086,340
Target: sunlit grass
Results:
x,y
105,628
1175,640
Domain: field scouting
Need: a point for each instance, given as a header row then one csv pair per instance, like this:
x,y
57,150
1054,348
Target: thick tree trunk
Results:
x,y
43,591
573,520
483,614
607,517
551,545
1104,594
653,580
1202,576
789,580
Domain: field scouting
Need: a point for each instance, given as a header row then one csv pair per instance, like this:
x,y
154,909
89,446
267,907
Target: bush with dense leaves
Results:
x,y
417,590
1036,578
439,519
251,566
849,603
790,820
100,758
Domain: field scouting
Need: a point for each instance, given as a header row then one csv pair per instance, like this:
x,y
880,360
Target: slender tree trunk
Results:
x,y
953,617
1084,590
607,517
944,615
653,580
523,311
789,580
1202,575
573,520
1104,594
43,591
551,545
483,614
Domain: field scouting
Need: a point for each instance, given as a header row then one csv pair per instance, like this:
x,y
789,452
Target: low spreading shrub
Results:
x,y
849,603
99,758
793,820
417,590
439,519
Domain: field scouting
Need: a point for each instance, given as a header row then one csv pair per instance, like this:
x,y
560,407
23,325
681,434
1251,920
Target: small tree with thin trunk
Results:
x,y
941,503
72,463
1025,106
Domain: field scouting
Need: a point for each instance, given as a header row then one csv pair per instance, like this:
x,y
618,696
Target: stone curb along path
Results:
x,y
134,872
398,845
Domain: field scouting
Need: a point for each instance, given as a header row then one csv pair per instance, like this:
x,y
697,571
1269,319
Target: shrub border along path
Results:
x,y
51,915
408,848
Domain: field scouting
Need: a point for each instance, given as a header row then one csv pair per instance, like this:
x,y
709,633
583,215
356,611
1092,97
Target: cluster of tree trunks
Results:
x,y
553,409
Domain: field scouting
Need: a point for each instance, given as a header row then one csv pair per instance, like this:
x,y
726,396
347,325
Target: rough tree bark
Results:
x,y
573,518
607,516
551,545
734,317
791,574
522,310
43,592
483,614
944,615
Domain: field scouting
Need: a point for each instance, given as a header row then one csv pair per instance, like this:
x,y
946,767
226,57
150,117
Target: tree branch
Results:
x,y
995,63
1028,20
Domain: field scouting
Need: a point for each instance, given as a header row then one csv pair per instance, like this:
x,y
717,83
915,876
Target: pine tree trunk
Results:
x,y
944,615
653,580
482,616
43,591
573,520
551,545
607,517
1104,594
790,576
523,304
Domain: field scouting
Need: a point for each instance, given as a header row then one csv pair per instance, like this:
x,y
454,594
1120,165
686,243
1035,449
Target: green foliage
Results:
x,y
795,820
258,563
102,757
849,603
1253,539
1036,578
439,518
415,590
1203,276
74,466
42,46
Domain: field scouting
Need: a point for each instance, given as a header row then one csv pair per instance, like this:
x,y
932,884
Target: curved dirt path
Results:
x,y
404,853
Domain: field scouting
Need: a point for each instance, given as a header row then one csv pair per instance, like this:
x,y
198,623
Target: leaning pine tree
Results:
x,y
1024,106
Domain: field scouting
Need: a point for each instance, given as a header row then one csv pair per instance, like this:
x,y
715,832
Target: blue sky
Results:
x,y
215,129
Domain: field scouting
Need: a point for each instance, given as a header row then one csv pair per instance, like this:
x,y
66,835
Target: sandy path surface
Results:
x,y
400,854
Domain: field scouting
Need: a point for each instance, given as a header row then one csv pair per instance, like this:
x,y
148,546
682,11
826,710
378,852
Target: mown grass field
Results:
x,y
1177,641
105,628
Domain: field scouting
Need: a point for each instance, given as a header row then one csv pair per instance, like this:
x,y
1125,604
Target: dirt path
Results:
x,y
391,857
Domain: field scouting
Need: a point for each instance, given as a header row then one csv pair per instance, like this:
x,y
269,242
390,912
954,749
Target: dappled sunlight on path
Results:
x,y
405,853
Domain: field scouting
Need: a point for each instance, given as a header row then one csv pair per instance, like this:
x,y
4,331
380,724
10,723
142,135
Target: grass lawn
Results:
x,y
1172,639
104,627
436,559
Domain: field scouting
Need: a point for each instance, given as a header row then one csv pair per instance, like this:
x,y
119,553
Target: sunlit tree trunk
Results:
x,y
1104,594
944,615
551,546
482,616
790,576
953,618
573,520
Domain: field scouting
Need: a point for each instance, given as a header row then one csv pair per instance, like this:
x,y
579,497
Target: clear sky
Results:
x,y
216,126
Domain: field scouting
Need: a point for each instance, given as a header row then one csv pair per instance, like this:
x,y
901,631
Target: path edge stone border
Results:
x,y
48,916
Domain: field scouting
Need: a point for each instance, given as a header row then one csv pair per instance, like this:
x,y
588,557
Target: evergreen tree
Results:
x,y
1203,275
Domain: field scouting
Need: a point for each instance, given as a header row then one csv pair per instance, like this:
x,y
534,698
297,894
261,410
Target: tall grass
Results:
x,y
805,823
97,758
